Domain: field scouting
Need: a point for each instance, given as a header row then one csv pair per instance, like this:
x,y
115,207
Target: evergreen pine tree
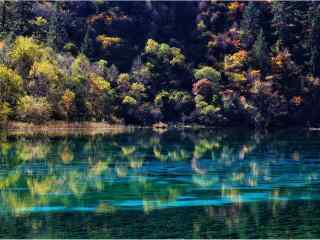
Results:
x,y
56,36
52,35
260,52
22,13
87,46
314,40
251,23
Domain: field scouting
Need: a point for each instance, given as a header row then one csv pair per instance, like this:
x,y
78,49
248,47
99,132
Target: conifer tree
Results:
x,y
251,22
260,52
57,35
87,46
314,41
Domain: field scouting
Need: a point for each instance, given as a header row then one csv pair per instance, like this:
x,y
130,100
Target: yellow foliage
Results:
x,y
44,69
201,26
233,6
123,79
39,21
127,100
108,41
279,60
26,49
137,89
237,77
68,99
98,168
10,85
99,83
105,208
163,50
80,68
126,151
178,57
5,111
66,155
235,60
151,46
41,187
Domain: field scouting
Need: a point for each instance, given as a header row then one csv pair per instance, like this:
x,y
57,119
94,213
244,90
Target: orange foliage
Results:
x,y
297,100
240,56
107,18
68,99
107,41
279,60
234,6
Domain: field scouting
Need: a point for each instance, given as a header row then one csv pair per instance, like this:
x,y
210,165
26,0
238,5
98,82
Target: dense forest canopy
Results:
x,y
140,62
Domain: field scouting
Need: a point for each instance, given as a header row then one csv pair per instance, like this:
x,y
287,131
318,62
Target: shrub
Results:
x,y
207,72
80,69
130,101
25,52
98,83
235,61
71,48
202,87
10,85
5,111
34,109
45,70
68,101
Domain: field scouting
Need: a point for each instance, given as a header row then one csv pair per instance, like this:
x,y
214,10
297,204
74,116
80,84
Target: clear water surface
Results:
x,y
177,184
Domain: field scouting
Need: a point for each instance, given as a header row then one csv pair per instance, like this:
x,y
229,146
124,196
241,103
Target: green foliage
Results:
x,y
179,102
5,111
80,69
163,51
25,49
129,101
260,53
314,40
103,61
207,72
71,48
10,85
34,109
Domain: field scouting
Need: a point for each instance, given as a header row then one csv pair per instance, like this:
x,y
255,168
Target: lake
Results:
x,y
200,183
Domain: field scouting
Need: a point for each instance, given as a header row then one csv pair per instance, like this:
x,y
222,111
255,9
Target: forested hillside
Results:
x,y
208,62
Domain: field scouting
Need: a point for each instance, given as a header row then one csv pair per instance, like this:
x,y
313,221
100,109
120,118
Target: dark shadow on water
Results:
x,y
296,219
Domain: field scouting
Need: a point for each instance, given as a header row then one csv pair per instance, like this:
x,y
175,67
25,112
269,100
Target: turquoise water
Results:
x,y
177,184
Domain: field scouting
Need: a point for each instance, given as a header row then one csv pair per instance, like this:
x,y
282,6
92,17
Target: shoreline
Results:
x,y
61,128
64,128
58,128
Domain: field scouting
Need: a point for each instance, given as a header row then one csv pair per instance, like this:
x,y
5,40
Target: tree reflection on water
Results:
x,y
221,172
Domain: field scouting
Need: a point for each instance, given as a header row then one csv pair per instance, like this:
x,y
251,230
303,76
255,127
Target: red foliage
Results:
x,y
202,87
